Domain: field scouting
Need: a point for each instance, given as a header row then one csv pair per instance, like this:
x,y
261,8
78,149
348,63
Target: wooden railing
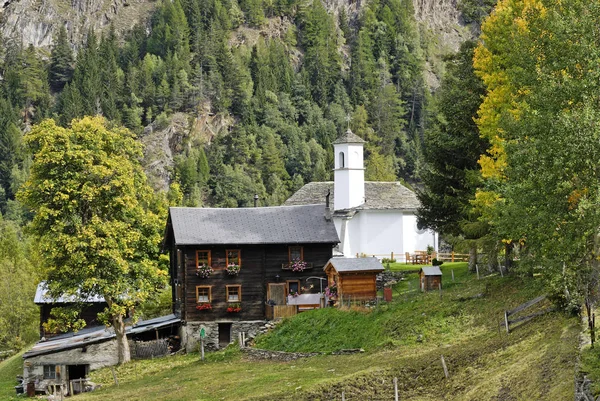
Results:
x,y
452,257
419,257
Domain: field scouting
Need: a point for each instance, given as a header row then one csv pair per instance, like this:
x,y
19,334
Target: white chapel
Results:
x,y
372,218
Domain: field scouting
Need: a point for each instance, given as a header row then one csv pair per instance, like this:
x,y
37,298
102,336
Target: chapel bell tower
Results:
x,y
349,171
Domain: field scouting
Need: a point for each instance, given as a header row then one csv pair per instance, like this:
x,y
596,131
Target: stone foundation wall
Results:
x,y
190,333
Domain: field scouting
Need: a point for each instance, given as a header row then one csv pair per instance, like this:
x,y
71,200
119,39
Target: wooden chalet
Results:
x,y
430,278
90,307
355,278
229,266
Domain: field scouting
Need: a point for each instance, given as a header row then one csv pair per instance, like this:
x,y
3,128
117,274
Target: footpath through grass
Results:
x,y
405,339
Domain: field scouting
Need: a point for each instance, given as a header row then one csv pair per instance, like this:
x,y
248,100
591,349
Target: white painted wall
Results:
x,y
417,240
349,176
380,232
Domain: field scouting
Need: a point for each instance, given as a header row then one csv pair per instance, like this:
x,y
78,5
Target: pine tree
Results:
x,y
61,61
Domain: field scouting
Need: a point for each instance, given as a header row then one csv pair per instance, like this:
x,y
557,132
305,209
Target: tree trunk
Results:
x,y
122,344
472,256
508,255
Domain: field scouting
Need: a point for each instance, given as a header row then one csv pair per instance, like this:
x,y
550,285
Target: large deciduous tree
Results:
x,y
538,60
94,217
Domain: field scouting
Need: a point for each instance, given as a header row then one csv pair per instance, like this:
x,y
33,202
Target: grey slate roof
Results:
x,y
432,271
94,335
41,297
378,195
260,225
355,264
349,137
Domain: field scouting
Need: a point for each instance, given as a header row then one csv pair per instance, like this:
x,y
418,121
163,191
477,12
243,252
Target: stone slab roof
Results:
x,y
349,137
378,195
245,226
96,334
342,265
41,297
432,271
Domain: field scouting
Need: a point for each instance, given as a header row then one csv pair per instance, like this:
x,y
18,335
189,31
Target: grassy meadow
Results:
x,y
404,339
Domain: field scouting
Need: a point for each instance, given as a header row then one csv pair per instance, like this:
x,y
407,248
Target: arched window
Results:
x,y
342,160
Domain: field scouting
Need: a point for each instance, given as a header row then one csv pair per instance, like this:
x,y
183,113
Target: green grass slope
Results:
x,y
9,370
404,339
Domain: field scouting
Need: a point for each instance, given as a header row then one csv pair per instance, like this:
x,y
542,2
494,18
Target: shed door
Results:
x,y
276,292
224,334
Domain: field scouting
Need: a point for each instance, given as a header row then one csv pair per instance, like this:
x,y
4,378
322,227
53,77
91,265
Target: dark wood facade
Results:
x,y
264,276
89,313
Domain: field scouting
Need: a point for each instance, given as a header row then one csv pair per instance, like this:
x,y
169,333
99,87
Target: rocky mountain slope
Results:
x,y
35,21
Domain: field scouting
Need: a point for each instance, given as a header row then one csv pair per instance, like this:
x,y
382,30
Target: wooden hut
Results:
x,y
431,278
355,277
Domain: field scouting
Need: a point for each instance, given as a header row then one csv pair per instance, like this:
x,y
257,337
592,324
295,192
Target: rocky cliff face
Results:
x,y
35,21
443,19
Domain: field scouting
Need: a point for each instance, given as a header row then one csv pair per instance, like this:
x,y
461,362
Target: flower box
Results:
x,y
234,308
297,266
204,271
232,269
204,306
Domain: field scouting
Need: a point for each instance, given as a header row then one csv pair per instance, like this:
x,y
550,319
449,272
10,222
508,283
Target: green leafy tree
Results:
x,y
19,317
540,118
93,217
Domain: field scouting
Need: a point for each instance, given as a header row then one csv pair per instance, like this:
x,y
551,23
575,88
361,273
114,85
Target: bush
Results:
x,y
436,262
388,260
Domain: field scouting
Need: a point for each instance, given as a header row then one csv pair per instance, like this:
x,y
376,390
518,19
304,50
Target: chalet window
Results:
x,y
234,257
49,371
293,286
203,293
202,258
234,293
342,160
295,253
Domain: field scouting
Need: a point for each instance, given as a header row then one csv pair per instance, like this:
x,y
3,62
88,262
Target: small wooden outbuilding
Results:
x,y
430,278
354,277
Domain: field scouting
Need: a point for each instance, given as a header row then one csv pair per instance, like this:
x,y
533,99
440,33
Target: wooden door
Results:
x,y
276,293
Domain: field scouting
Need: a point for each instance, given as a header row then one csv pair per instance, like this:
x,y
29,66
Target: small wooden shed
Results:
x,y
430,278
354,277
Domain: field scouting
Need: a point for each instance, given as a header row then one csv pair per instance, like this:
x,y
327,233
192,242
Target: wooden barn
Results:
x,y
430,278
355,278
231,268
89,307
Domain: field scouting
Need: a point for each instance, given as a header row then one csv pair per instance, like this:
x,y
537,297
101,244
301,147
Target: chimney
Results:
x,y
327,198
255,200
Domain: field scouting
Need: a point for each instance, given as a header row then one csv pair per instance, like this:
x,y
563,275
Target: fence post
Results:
x,y
392,256
445,367
452,274
477,268
395,389
506,321
453,256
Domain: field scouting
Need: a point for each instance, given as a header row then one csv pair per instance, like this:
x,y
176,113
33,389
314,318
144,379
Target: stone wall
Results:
x,y
190,333
95,355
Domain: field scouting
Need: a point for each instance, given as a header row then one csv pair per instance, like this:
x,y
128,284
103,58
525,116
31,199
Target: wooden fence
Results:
x,y
508,322
149,349
419,257
280,311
